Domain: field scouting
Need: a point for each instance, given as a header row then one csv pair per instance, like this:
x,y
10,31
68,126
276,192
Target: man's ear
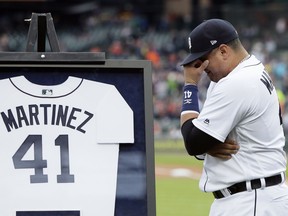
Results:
x,y
224,50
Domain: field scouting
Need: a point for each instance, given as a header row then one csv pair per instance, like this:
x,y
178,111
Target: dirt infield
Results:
x,y
177,172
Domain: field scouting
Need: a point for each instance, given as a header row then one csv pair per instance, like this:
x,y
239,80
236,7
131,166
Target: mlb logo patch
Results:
x,y
47,92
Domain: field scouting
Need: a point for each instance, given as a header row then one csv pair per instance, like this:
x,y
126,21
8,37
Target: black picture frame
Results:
x,y
133,79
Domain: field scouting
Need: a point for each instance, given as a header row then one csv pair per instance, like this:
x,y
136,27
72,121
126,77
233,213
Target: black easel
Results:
x,y
40,26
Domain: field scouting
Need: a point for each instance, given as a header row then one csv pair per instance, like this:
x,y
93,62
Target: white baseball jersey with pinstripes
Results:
x,y
244,107
59,145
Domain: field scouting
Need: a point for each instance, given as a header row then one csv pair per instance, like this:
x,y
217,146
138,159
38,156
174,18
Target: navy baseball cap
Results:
x,y
207,36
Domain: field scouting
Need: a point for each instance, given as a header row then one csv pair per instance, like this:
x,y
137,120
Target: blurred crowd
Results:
x,y
128,35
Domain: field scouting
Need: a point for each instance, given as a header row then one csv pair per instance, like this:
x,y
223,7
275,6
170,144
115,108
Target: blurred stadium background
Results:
x,y
157,30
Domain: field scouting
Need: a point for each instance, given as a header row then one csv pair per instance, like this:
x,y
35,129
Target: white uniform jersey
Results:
x,y
59,145
244,107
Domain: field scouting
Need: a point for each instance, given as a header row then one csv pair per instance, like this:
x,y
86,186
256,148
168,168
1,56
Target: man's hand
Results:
x,y
192,75
225,150
193,71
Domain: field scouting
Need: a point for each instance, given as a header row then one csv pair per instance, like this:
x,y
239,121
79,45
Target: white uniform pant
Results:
x,y
270,201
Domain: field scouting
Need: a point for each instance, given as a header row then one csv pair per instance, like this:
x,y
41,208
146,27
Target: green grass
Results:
x,y
177,159
181,197
178,196
172,152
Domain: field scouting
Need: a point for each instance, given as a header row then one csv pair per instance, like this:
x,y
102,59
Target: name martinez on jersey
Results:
x,y
46,114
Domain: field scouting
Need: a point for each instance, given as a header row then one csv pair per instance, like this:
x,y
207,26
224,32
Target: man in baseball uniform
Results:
x,y
239,130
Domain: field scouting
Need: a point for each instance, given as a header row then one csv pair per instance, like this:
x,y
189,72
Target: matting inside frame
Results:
x,y
40,155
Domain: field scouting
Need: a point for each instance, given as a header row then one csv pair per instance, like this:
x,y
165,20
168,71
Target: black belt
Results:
x,y
241,186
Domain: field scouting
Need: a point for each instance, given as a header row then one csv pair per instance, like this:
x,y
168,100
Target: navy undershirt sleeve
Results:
x,y
196,141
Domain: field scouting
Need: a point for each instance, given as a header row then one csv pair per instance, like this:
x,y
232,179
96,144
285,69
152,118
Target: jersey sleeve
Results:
x,y
115,122
222,110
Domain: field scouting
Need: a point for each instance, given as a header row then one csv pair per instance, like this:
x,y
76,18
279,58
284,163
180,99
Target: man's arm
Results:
x,y
196,141
192,75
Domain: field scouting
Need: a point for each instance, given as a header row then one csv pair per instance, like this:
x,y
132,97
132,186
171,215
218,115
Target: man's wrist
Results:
x,y
190,98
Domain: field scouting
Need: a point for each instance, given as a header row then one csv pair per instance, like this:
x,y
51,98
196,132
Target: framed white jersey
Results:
x,y
60,146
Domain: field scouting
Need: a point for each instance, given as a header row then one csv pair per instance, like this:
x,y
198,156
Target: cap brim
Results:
x,y
192,57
